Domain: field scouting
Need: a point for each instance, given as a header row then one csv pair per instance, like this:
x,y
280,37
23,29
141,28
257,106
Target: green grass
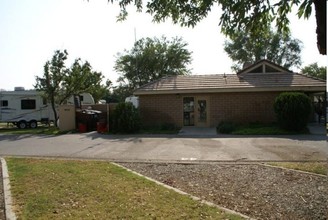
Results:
x,y
265,130
42,129
57,189
259,129
166,128
312,167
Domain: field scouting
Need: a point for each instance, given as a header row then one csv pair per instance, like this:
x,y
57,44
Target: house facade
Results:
x,y
207,100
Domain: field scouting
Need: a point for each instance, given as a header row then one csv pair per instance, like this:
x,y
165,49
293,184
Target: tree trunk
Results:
x,y
55,112
320,14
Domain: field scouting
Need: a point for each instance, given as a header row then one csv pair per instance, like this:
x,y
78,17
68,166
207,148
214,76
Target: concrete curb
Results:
x,y
184,193
10,215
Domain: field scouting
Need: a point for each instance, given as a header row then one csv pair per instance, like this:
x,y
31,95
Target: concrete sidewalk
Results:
x,y
317,129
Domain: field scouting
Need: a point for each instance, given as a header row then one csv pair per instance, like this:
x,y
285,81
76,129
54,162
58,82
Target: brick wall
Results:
x,y
242,107
236,107
161,109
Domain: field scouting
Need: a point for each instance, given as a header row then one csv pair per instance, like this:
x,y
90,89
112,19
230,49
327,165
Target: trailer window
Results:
x,y
4,103
28,104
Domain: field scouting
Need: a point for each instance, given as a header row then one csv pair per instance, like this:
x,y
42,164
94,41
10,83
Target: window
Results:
x,y
4,103
28,104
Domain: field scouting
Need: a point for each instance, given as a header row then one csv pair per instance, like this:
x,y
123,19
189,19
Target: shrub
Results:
x,y
226,127
168,127
125,119
293,110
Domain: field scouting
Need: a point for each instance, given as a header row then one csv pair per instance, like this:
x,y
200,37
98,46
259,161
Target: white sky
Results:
x,y
31,30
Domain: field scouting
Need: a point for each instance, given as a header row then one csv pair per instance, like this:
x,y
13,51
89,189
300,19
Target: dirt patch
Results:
x,y
255,190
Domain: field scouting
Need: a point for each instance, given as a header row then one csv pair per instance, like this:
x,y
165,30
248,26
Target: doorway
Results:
x,y
202,112
195,111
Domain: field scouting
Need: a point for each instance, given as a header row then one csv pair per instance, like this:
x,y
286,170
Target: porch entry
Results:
x,y
196,111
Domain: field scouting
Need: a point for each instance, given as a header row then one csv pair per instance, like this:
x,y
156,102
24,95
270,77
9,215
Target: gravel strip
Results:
x,y
252,189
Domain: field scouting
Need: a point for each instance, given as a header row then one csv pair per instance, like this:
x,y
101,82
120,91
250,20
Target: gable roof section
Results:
x,y
264,66
261,76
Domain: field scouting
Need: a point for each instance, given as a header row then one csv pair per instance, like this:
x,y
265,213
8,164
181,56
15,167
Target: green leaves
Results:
x,y
293,110
237,15
305,9
315,71
152,59
246,48
58,83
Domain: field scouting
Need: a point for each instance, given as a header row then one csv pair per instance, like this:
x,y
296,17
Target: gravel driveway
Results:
x,y
255,190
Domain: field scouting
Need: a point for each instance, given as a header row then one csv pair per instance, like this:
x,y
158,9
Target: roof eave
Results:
x,y
225,90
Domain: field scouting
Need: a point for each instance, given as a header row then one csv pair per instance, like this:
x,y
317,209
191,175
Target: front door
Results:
x,y
201,112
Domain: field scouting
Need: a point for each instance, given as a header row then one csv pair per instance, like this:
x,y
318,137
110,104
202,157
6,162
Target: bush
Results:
x,y
125,119
293,110
226,127
168,127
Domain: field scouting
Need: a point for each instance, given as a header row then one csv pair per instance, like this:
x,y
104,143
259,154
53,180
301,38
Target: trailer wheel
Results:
x,y
22,124
33,124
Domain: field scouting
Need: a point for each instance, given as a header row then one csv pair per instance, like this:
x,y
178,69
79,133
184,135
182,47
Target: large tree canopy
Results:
x,y
315,71
82,78
251,16
152,59
280,49
58,82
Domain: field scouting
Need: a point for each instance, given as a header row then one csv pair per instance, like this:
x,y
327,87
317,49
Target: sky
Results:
x,y
31,30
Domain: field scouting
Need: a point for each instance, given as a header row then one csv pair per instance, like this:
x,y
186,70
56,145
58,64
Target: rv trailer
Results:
x,y
24,108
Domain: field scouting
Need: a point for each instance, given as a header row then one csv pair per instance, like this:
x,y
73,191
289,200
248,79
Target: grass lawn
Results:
x,y
41,129
57,189
312,167
259,129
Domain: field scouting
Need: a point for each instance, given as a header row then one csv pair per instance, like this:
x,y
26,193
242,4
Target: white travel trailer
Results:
x,y
84,99
24,108
134,100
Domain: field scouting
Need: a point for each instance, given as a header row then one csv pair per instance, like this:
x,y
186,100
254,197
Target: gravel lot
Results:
x,y
255,190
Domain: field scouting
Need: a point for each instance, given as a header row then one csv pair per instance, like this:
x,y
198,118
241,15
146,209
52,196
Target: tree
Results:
x,y
58,83
315,71
126,118
250,16
293,110
152,59
82,78
280,49
50,84
120,92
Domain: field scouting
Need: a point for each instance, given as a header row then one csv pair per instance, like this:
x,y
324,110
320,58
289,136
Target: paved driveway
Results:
x,y
167,147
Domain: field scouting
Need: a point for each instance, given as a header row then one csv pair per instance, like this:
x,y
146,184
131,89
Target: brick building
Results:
x,y
207,100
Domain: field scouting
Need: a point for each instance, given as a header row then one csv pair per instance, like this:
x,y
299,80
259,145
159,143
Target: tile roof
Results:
x,y
277,81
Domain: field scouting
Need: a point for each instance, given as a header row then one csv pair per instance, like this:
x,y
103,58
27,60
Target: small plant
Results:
x,y
226,127
168,127
125,118
293,110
